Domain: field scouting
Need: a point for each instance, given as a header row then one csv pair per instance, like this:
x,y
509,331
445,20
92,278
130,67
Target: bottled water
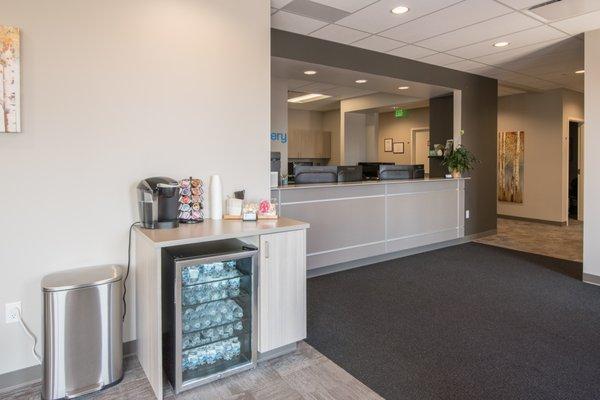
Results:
x,y
206,355
211,291
203,273
210,314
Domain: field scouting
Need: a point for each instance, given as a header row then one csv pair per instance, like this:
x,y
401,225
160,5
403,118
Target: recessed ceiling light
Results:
x,y
306,98
399,10
501,44
310,72
581,71
404,87
361,81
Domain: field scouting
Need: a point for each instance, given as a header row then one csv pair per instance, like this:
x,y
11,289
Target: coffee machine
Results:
x,y
158,203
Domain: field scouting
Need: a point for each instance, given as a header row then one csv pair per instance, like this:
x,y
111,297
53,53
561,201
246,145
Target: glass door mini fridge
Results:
x,y
209,311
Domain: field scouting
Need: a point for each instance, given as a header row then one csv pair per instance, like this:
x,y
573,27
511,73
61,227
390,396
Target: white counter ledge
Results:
x,y
365,183
210,230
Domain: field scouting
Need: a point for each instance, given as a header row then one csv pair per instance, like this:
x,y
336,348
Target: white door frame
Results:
x,y
580,164
413,134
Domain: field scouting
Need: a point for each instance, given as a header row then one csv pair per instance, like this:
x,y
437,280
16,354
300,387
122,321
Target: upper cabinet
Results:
x,y
309,144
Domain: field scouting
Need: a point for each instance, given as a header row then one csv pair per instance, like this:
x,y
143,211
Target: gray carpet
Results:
x,y
466,322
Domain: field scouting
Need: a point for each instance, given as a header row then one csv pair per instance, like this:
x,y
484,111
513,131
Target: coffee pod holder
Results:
x,y
191,201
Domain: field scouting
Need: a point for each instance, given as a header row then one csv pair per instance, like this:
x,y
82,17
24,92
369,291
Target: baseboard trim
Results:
x,y
33,374
591,279
20,377
330,269
539,221
269,355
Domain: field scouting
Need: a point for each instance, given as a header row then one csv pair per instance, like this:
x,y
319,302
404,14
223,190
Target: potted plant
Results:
x,y
459,160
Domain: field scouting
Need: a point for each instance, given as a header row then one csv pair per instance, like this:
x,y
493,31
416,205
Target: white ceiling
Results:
x,y
341,84
543,54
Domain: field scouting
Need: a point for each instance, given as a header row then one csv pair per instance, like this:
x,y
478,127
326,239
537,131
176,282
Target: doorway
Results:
x,y
575,186
420,147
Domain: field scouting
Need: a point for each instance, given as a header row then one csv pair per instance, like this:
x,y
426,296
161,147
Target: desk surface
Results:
x,y
210,230
363,183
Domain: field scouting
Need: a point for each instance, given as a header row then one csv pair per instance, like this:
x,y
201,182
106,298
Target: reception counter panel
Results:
x,y
353,221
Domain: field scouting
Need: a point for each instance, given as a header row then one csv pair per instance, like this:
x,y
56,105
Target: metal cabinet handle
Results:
x,y
266,249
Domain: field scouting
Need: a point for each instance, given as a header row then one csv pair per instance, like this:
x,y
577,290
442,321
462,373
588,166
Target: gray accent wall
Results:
x,y
479,106
441,128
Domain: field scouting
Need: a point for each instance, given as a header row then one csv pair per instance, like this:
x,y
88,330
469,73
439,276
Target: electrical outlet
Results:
x,y
11,312
467,214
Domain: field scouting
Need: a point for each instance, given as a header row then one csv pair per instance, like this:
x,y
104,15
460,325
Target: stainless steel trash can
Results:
x,y
83,346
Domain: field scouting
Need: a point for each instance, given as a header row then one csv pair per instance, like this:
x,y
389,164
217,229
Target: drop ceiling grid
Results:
x,y
387,44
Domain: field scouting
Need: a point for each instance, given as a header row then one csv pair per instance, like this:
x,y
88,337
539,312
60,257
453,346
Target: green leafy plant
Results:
x,y
460,160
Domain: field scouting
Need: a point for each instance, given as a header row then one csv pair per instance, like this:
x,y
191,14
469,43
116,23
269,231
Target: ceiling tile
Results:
x,y
273,10
295,23
446,20
377,17
531,36
316,11
486,30
440,59
559,10
280,3
410,51
340,34
521,4
346,5
507,90
582,23
296,83
346,92
514,54
316,87
467,66
378,43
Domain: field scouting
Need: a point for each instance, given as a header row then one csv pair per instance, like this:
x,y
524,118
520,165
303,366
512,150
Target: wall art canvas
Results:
x,y
388,145
398,147
511,165
10,85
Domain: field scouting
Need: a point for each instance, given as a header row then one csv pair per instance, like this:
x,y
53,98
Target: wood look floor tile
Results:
x,y
565,242
278,390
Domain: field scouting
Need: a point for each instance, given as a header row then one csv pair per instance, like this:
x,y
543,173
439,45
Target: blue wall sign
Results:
x,y
279,137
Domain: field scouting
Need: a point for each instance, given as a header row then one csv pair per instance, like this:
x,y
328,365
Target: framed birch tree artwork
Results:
x,y
10,83
511,164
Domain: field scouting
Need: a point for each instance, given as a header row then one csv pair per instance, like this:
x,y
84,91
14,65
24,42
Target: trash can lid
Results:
x,y
81,277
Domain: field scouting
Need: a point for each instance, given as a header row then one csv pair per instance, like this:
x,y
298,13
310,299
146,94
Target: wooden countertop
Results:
x,y
210,230
364,183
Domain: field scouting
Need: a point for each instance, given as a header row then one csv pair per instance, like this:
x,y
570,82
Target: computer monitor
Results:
x,y
371,169
316,174
351,173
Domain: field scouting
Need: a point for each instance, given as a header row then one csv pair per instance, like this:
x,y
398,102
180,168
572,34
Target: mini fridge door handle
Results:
x,y
266,249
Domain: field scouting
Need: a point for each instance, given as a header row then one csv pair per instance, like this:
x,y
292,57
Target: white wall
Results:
x,y
355,149
544,119
591,228
372,137
113,92
331,123
279,121
305,120
361,104
399,129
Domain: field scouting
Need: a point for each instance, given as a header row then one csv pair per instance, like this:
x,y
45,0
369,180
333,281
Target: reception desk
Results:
x,y
359,220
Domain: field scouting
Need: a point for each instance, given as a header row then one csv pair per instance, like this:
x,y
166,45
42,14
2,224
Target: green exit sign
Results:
x,y
400,113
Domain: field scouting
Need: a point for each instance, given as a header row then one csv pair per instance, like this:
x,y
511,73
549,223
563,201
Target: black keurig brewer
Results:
x,y
158,203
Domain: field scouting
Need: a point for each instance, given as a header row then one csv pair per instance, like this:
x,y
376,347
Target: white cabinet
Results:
x,y
281,289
